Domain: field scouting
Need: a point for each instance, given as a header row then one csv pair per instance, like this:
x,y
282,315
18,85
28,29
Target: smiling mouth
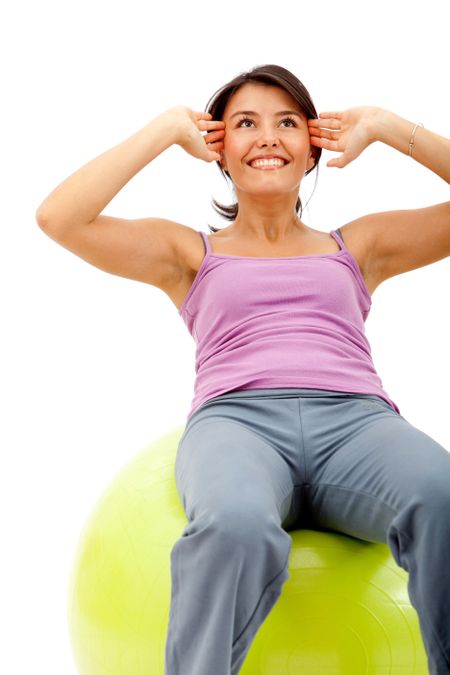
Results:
x,y
268,167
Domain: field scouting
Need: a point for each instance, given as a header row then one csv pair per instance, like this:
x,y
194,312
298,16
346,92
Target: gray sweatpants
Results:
x,y
252,464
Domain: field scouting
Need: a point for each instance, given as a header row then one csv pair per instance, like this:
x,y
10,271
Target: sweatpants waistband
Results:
x,y
289,392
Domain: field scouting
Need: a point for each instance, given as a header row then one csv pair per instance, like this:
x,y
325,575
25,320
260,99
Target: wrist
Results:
x,y
381,123
168,125
391,129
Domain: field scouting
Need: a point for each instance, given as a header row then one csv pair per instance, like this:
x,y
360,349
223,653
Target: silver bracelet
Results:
x,y
411,140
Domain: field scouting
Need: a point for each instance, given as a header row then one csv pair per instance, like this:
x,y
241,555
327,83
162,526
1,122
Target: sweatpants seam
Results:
x,y
361,492
437,638
303,454
368,494
404,534
269,583
425,611
227,421
173,624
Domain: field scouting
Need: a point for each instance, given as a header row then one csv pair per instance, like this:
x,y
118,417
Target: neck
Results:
x,y
269,220
268,227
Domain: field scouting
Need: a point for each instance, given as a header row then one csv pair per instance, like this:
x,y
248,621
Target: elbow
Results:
x,y
41,218
48,222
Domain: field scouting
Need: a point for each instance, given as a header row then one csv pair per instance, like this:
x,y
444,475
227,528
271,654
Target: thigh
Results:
x,y
224,466
374,463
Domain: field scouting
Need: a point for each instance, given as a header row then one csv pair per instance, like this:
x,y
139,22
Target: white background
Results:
x,y
94,366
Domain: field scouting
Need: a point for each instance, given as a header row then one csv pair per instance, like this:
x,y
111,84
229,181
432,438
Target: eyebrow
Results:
x,y
252,112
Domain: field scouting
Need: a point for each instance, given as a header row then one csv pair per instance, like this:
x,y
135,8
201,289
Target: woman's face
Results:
x,y
265,131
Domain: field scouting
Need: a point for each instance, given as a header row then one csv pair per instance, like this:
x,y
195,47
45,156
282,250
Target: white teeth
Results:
x,y
267,162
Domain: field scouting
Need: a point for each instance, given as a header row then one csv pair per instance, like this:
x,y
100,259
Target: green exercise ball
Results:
x,y
344,609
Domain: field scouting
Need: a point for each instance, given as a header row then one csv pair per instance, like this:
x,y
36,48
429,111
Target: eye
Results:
x,y
289,119
248,119
242,120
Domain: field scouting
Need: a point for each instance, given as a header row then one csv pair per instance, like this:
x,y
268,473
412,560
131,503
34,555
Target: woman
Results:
x,y
290,425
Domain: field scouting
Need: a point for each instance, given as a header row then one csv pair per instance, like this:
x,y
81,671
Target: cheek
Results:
x,y
303,150
233,148
303,144
237,145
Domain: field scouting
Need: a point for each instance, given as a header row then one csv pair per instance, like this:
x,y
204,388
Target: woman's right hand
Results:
x,y
190,124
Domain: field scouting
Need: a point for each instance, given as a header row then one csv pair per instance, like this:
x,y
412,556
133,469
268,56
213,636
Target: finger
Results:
x,y
217,145
341,161
214,136
325,122
214,153
211,124
325,143
325,133
335,163
335,114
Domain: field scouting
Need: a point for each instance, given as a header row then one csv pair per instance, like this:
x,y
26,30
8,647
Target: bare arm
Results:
x,y
351,131
430,149
146,249
396,241
84,194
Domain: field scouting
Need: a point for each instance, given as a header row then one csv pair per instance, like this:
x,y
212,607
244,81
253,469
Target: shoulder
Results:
x,y
189,248
358,239
358,236
395,242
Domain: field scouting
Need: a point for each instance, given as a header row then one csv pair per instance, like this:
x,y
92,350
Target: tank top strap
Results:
x,y
206,242
337,235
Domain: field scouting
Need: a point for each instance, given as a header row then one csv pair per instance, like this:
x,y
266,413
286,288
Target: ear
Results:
x,y
311,161
223,163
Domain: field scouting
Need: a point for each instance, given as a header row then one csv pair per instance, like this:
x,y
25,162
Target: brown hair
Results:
x,y
275,76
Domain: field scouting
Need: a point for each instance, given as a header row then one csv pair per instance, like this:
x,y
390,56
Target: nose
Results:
x,y
267,137
268,141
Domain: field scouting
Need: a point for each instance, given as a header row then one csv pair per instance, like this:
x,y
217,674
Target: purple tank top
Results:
x,y
261,323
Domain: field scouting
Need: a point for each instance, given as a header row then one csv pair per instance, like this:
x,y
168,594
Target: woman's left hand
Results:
x,y
349,132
